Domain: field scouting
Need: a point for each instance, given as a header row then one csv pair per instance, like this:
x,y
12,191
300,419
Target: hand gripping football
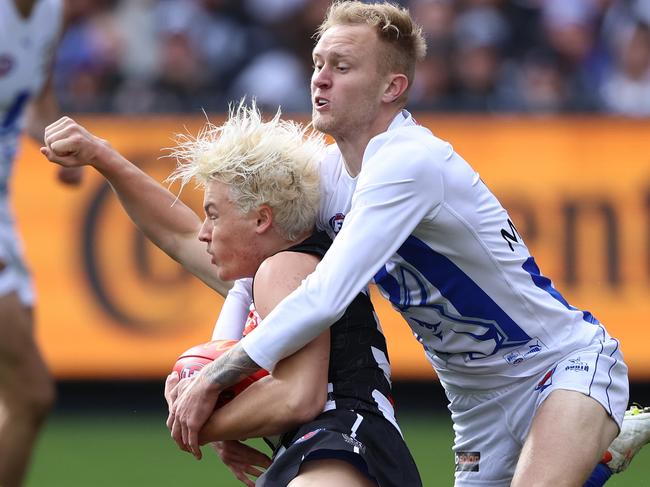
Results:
x,y
194,359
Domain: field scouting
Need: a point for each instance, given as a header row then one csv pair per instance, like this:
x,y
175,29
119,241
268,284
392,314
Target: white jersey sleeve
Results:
x,y
232,318
396,190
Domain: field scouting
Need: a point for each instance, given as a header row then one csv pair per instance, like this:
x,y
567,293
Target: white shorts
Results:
x,y
491,427
15,276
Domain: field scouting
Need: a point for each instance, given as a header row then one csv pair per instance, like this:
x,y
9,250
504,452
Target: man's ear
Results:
x,y
264,219
397,85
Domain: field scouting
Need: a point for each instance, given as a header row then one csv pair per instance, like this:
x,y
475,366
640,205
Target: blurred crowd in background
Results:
x,y
531,56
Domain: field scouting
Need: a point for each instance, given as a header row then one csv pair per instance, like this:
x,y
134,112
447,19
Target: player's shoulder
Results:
x,y
411,142
285,269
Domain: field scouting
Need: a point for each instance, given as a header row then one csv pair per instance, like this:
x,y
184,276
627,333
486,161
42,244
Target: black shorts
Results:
x,y
366,440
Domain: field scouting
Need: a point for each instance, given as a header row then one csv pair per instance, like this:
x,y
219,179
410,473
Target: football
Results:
x,y
194,359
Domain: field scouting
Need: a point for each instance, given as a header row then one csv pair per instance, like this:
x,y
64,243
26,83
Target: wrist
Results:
x,y
107,160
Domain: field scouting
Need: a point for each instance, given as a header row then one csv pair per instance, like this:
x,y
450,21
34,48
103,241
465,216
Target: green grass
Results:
x,y
136,450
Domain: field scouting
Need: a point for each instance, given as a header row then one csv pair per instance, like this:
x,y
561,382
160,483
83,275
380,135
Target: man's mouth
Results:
x,y
320,102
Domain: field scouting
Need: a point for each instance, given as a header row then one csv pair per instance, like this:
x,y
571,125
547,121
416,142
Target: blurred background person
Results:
x,y
29,31
626,89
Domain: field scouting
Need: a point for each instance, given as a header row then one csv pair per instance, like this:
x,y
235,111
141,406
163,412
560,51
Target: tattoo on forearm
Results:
x,y
230,368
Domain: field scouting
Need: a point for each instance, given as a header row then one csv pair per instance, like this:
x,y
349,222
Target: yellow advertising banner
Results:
x,y
111,305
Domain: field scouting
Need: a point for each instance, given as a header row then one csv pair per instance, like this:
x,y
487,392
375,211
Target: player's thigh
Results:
x,y
21,363
567,438
16,296
16,328
489,429
330,472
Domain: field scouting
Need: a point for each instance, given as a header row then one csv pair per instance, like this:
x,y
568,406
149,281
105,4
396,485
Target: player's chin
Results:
x,y
322,123
226,274
223,273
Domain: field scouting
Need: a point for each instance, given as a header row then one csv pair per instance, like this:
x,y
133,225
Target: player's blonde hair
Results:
x,y
402,37
273,162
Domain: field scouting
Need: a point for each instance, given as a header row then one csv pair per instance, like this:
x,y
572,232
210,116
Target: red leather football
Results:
x,y
194,359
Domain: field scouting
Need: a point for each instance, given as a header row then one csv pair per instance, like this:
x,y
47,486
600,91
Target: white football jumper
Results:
x,y
421,223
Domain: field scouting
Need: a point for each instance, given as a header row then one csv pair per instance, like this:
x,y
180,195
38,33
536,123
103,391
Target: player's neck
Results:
x,y
25,7
353,146
352,154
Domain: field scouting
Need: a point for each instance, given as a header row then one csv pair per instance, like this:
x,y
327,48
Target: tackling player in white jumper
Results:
x,y
29,32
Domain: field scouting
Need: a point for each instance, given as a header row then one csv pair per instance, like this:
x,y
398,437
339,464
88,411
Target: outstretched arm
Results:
x,y
165,220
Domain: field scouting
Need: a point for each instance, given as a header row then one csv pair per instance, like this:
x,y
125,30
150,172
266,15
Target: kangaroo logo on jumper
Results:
x,y
577,365
516,357
336,222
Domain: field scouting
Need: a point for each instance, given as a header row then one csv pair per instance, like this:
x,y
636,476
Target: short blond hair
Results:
x,y
273,162
394,26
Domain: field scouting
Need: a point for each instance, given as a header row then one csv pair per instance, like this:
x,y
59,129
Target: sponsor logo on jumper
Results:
x,y
577,365
354,442
515,357
467,461
336,222
546,381
311,434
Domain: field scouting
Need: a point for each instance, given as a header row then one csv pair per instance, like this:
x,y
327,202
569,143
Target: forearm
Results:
x,y
159,214
229,368
154,209
293,395
263,409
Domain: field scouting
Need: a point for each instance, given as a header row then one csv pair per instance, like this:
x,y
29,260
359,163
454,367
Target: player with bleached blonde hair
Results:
x,y
272,162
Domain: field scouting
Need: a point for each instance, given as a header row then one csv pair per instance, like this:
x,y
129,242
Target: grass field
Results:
x,y
134,449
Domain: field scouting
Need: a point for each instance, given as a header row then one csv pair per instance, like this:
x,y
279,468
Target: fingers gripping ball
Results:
x,y
194,359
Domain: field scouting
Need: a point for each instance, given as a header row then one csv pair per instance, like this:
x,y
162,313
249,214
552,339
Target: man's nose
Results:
x,y
321,79
204,233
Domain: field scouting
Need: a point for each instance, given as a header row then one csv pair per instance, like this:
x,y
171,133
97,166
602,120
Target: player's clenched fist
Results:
x,y
69,144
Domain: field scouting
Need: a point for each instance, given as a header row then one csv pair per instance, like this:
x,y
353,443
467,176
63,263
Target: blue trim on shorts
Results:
x,y
609,373
352,458
593,376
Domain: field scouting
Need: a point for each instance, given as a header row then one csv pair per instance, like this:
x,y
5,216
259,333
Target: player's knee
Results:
x,y
39,400
29,387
